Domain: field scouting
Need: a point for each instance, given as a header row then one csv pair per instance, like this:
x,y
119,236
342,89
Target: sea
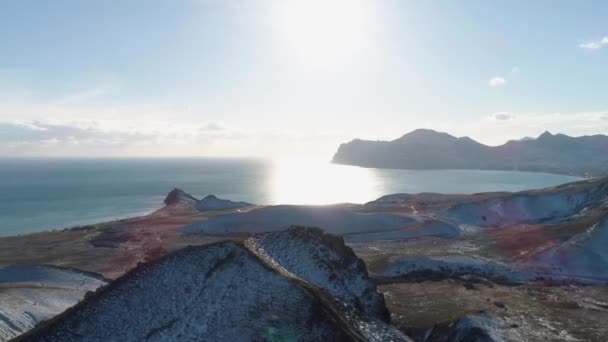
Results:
x,y
45,194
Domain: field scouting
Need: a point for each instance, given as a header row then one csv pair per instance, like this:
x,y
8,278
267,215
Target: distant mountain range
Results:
x,y
427,149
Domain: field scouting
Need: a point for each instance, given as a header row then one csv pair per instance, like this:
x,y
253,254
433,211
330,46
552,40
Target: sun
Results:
x,y
324,32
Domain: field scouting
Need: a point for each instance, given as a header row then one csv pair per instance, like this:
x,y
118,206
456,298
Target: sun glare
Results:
x,y
323,33
311,181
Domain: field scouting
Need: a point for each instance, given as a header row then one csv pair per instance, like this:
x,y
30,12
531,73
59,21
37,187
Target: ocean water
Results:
x,y
43,194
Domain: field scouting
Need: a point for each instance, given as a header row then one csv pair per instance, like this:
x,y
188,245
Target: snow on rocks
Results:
x,y
583,257
331,219
540,206
448,266
211,203
34,293
218,292
324,261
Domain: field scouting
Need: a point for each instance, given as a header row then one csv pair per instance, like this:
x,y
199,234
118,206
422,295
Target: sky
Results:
x,y
276,78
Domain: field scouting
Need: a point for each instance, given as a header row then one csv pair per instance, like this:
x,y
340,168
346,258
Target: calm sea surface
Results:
x,y
44,194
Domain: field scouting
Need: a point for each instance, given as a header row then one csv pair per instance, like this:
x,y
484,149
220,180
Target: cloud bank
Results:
x,y
594,44
497,82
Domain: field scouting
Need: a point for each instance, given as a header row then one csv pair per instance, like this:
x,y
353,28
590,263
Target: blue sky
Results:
x,y
275,78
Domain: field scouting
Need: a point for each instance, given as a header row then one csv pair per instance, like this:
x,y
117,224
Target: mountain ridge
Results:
x,y
424,149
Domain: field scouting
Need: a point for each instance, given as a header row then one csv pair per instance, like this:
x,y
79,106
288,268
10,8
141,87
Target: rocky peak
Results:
x,y
545,135
178,197
323,260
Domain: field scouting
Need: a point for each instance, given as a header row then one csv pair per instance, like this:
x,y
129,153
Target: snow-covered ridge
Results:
x,y
33,293
197,293
324,261
224,292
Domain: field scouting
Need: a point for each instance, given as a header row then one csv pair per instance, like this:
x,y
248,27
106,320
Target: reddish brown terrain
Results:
x,y
532,262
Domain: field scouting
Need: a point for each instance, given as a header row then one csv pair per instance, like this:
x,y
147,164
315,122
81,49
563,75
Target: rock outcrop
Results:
x,y
333,270
478,327
322,260
178,198
219,292
225,291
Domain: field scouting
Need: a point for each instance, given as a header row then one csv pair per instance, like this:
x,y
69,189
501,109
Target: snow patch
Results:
x,y
34,293
324,261
525,208
219,292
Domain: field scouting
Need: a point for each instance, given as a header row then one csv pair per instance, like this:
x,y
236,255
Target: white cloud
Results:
x,y
86,137
594,44
497,82
503,116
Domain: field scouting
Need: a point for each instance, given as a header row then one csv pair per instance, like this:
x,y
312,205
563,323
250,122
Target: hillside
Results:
x,y
200,293
524,266
428,149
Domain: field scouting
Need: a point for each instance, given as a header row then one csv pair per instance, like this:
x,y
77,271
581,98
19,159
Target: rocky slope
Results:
x,y
198,293
32,294
225,292
428,149
583,256
552,205
439,259
322,260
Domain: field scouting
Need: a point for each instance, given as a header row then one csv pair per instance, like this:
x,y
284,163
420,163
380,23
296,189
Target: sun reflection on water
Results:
x,y
314,181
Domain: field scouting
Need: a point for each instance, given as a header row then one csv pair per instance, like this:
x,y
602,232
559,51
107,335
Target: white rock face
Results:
x,y
211,203
31,294
583,257
543,206
276,218
218,292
